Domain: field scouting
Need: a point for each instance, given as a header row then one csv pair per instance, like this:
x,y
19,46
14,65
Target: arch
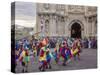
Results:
x,y
76,21
76,30
79,23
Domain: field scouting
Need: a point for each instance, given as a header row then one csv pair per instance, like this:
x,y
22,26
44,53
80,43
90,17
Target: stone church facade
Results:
x,y
66,20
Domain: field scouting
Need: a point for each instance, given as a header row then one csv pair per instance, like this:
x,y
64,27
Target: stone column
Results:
x,y
93,27
90,27
58,26
62,26
86,27
54,25
66,27
50,25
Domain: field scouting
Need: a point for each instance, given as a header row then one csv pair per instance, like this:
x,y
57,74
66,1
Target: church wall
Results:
x,y
60,18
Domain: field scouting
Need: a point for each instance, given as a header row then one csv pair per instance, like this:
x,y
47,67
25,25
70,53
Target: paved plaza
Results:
x,y
88,61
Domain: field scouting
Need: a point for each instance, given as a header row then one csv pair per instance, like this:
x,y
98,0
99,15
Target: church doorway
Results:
x,y
76,30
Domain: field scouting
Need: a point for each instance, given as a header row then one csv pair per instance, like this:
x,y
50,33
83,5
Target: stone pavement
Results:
x,y
88,60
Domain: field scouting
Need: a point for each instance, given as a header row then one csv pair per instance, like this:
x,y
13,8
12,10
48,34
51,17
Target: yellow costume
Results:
x,y
74,51
42,58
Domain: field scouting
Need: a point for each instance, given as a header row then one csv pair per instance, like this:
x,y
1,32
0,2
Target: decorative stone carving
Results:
x,y
46,6
76,9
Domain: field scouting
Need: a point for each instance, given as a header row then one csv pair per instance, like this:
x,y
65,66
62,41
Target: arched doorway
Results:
x,y
76,30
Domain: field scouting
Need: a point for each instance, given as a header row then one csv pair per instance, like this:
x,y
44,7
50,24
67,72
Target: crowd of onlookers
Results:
x,y
86,42
89,43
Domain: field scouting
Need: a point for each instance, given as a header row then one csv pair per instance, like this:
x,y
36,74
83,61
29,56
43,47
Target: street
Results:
x,y
88,60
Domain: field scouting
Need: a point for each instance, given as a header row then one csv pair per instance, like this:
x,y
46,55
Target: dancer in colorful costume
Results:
x,y
42,59
48,58
76,49
44,56
65,53
56,53
24,59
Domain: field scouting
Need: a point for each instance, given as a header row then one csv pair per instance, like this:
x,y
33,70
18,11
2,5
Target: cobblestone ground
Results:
x,y
88,60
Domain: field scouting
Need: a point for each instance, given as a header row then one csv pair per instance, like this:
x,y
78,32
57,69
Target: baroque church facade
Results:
x,y
66,20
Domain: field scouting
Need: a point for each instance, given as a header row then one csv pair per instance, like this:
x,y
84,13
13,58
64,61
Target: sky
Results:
x,y
25,14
